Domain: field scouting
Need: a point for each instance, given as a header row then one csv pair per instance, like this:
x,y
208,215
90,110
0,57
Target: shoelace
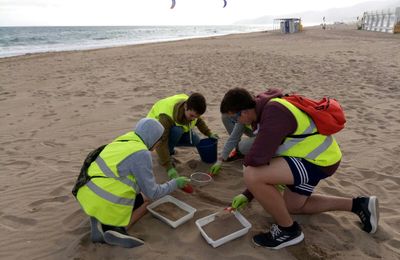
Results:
x,y
275,231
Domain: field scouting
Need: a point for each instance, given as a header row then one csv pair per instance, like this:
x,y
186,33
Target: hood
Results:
x,y
262,99
149,130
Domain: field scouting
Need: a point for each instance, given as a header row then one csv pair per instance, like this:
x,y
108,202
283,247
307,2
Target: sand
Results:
x,y
56,107
170,211
222,226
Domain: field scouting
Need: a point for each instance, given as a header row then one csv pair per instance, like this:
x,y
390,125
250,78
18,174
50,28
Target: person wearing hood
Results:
x,y
117,182
289,150
235,147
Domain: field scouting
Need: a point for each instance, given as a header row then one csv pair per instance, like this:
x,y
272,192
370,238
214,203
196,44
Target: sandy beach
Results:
x,y
57,107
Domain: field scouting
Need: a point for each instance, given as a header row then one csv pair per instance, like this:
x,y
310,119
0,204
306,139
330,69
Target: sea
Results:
x,y
15,41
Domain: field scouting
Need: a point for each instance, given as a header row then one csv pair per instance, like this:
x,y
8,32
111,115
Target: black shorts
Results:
x,y
306,175
138,201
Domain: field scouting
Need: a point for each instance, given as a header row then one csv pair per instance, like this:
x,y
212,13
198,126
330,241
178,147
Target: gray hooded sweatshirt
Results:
x,y
140,163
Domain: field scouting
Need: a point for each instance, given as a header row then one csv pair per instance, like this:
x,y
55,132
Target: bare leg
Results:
x,y
260,181
139,212
299,204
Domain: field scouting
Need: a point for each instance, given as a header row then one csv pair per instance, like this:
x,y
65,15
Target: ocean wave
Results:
x,y
21,40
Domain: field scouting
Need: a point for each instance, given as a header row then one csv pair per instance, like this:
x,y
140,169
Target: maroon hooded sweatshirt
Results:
x,y
274,123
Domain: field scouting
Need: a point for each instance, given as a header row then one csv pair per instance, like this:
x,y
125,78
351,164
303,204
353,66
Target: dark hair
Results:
x,y
197,103
237,99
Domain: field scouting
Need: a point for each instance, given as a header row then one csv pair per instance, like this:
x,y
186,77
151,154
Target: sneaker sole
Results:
x,y
288,243
373,208
96,233
117,239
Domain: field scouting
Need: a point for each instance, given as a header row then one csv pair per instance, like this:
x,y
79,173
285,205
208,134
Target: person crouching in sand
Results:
x,y
299,163
116,180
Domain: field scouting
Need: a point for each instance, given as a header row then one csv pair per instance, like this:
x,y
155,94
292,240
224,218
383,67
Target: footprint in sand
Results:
x,y
50,200
80,93
394,244
14,223
76,223
122,79
58,191
52,144
4,187
18,165
209,198
193,164
110,94
50,114
310,252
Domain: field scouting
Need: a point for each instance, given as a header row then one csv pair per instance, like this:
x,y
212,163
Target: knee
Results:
x,y
250,178
244,146
176,130
293,209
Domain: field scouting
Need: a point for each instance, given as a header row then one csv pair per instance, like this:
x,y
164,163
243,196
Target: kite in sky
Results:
x,y
173,4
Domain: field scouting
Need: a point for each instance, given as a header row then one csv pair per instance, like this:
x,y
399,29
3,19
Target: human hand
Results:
x,y
172,173
182,181
216,168
214,136
239,202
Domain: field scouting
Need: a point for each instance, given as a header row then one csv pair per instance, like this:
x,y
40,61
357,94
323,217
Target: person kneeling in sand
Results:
x,y
179,114
235,148
116,180
299,163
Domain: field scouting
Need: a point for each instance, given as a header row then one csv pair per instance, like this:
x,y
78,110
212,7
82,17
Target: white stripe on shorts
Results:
x,y
306,187
301,169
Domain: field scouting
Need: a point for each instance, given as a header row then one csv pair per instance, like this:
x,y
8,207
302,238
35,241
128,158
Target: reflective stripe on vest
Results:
x,y
107,171
109,196
293,141
318,149
166,106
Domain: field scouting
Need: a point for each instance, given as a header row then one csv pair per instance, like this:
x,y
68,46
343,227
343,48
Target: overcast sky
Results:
x,y
151,12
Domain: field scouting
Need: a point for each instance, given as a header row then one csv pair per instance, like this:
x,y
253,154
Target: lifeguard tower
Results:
x,y
289,25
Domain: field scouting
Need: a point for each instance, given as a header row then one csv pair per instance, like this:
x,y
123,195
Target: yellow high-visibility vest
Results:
x,y
166,106
110,195
318,149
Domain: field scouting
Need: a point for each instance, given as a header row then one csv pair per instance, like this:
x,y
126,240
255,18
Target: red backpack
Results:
x,y
326,113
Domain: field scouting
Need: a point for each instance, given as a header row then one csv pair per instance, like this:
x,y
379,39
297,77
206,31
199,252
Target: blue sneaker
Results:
x,y
118,236
277,238
96,231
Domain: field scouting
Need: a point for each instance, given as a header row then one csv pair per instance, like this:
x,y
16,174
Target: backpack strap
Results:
x,y
302,136
83,177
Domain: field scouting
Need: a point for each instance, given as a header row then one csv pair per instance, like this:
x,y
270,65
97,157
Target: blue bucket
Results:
x,y
207,149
